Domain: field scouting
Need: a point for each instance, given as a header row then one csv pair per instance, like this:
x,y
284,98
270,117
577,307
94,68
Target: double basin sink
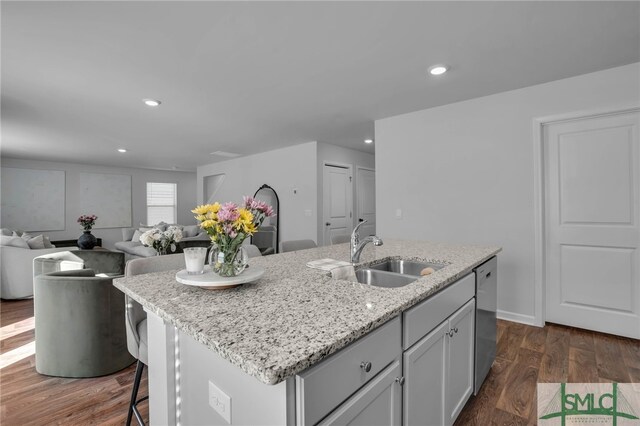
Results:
x,y
394,272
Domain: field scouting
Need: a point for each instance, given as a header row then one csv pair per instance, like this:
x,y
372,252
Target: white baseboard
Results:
x,y
512,316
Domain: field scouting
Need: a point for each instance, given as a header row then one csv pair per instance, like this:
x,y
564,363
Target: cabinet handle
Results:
x,y
455,329
450,333
400,380
366,366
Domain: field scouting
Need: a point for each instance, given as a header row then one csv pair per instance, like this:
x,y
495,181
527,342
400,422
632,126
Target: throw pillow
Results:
x,y
162,226
5,231
12,241
36,242
47,242
190,231
26,236
136,236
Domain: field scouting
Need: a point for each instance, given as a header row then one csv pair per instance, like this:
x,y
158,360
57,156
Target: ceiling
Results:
x,y
248,77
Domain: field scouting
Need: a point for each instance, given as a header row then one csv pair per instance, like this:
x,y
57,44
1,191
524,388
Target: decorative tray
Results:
x,y
212,281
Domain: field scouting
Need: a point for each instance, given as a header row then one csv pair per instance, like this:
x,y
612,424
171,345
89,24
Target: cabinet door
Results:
x,y
378,403
424,372
459,361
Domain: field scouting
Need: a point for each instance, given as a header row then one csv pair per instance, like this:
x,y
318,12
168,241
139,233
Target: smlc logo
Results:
x,y
588,403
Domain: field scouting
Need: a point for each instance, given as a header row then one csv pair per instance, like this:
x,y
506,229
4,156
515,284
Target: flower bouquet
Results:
x,y
228,225
162,241
87,221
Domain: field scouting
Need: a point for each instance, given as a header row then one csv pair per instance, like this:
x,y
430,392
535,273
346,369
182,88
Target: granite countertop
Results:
x,y
295,316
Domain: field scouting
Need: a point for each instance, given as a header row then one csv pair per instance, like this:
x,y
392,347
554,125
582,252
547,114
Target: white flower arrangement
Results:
x,y
162,242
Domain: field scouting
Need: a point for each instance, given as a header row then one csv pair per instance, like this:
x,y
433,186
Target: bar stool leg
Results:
x,y
134,394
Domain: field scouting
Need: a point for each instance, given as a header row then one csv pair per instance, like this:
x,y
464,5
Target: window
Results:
x,y
161,202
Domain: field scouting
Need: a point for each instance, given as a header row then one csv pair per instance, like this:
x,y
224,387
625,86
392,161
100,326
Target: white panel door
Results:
x,y
337,202
366,196
592,191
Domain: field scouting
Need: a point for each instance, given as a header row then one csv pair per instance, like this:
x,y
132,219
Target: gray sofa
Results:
x,y
133,248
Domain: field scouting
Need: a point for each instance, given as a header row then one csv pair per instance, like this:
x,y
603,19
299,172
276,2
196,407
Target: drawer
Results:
x,y
424,317
321,388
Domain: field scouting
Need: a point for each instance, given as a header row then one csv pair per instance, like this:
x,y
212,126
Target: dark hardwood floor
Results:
x,y
29,398
529,355
526,355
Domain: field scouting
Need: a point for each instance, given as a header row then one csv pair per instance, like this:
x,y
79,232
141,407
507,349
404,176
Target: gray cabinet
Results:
x,y
460,361
372,382
425,378
325,386
438,371
378,403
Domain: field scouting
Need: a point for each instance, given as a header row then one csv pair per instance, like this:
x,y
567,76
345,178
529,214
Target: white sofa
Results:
x,y
17,270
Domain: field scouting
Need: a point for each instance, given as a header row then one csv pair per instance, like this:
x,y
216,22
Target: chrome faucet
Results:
x,y
357,246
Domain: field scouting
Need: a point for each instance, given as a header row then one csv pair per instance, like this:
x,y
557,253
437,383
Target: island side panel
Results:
x,y
161,371
251,401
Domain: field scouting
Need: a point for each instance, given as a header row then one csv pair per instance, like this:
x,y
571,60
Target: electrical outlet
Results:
x,y
307,213
398,213
220,401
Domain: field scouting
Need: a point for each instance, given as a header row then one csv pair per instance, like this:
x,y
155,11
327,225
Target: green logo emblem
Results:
x,y
613,404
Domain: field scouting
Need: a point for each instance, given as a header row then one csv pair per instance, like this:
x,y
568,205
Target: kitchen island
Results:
x,y
249,355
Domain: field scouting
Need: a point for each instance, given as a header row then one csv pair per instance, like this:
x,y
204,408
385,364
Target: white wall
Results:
x,y
328,153
285,170
139,177
464,172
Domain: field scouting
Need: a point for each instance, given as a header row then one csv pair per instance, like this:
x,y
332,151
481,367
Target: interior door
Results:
x,y
366,196
592,223
337,202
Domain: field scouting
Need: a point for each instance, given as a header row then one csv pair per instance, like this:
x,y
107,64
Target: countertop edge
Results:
x,y
271,376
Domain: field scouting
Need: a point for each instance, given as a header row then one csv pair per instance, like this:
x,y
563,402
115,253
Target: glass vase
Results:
x,y
228,262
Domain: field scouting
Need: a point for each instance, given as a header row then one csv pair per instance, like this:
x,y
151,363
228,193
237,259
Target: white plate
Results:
x,y
212,281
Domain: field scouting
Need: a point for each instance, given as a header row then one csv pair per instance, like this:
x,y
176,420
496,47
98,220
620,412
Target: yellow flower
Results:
x,y
206,208
201,210
245,219
208,224
250,229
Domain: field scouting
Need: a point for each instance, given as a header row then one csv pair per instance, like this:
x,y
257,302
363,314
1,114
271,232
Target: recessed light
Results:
x,y
151,102
368,141
438,70
122,150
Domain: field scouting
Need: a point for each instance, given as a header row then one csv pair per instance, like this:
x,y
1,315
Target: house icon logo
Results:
x,y
567,404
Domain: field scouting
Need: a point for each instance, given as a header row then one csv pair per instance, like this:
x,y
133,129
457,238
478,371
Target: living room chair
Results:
x,y
79,325
106,262
252,251
339,239
136,320
295,245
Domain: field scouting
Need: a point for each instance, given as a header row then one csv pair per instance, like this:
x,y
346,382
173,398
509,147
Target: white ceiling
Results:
x,y
248,77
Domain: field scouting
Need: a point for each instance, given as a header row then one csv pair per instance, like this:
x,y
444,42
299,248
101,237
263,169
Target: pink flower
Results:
x,y
253,204
228,212
248,201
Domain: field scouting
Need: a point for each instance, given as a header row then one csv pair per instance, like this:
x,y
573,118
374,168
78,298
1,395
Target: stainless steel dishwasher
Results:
x,y
486,324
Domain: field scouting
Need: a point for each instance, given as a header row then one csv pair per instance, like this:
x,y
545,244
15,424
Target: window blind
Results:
x,y
161,202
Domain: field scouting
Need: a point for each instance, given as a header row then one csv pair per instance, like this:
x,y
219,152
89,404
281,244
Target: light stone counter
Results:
x,y
295,316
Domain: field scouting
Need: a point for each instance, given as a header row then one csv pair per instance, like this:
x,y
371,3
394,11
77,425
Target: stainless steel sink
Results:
x,y
383,278
405,267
